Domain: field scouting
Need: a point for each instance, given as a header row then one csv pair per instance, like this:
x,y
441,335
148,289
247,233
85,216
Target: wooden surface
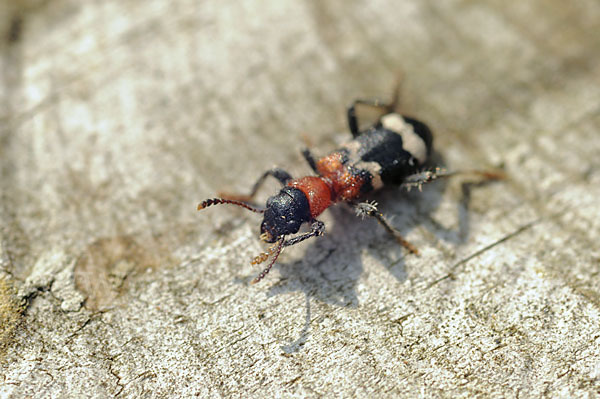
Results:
x,y
118,117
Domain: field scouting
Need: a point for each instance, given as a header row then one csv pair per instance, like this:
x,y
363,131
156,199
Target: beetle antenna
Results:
x,y
219,201
273,250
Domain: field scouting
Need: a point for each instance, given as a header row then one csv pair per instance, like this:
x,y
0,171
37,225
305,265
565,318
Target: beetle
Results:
x,y
391,151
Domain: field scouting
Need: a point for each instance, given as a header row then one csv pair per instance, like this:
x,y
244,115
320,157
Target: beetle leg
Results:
x,y
310,159
418,179
370,209
278,173
386,108
353,123
317,229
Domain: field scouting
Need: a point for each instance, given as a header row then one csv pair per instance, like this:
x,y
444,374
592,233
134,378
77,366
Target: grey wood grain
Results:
x,y
118,117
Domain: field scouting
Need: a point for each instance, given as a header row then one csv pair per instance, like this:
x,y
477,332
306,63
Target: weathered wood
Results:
x,y
118,117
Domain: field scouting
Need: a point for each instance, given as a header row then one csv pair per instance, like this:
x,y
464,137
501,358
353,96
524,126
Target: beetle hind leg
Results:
x,y
417,180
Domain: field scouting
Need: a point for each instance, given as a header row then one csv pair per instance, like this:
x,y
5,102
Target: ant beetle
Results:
x,y
392,151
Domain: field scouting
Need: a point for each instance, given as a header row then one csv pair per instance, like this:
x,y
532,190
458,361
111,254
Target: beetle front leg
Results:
x,y
278,173
317,229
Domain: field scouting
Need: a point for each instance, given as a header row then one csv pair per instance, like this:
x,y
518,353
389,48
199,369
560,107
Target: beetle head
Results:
x,y
284,215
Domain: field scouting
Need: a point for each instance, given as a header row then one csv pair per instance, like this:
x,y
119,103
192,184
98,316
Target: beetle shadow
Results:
x,y
331,265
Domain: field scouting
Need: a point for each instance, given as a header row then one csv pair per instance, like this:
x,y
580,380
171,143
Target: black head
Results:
x,y
285,213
